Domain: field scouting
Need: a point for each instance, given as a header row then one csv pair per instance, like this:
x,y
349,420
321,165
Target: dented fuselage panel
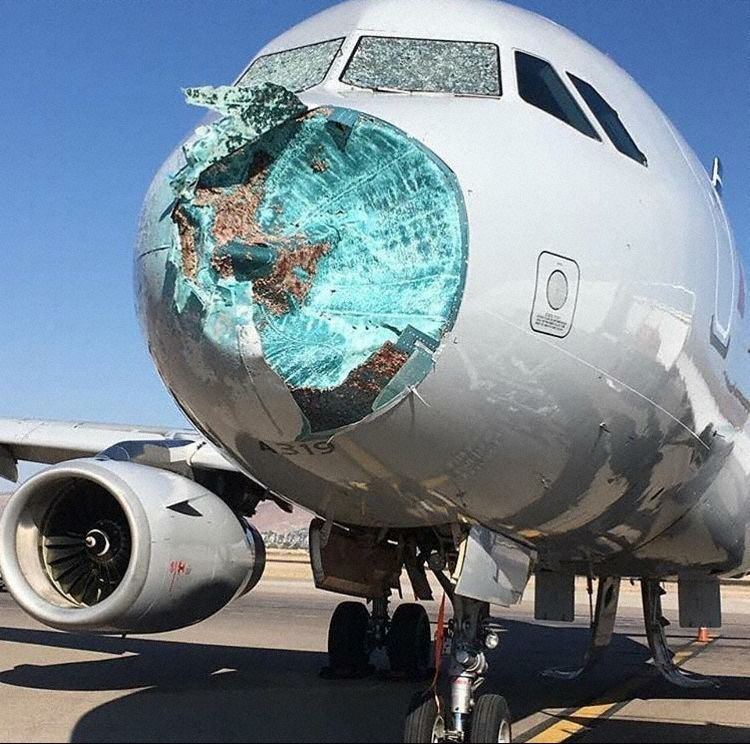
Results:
x,y
341,288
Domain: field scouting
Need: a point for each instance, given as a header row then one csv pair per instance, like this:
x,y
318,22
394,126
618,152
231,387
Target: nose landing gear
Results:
x,y
355,633
468,718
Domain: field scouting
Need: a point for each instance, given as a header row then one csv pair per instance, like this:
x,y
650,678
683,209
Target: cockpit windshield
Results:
x,y
296,69
425,66
541,86
609,119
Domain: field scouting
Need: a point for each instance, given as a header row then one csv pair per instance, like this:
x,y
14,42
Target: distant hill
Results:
x,y
282,530
270,518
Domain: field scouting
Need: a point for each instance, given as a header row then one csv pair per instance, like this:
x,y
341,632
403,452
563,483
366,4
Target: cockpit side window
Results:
x,y
541,86
425,66
609,119
296,69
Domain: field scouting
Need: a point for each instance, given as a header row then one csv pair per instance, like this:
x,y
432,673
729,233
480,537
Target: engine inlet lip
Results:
x,y
26,578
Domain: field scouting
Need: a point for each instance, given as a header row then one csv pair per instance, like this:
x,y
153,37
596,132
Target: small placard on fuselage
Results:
x,y
556,294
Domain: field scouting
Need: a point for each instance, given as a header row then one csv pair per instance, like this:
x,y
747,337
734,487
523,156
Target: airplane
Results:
x,y
443,274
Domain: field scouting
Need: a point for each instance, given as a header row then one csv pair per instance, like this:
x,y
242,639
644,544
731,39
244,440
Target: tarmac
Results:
x,y
250,673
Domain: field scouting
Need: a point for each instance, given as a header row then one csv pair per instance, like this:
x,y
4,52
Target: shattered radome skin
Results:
x,y
340,240
291,278
186,231
234,222
248,112
351,401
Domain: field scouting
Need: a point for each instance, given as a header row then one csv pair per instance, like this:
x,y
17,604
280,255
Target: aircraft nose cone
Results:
x,y
332,250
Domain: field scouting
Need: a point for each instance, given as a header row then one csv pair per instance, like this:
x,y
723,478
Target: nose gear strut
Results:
x,y
467,717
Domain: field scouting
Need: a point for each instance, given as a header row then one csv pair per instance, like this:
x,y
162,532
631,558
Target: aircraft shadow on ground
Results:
x,y
617,730
202,692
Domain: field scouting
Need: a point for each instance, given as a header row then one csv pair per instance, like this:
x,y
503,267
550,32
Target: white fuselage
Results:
x,y
623,440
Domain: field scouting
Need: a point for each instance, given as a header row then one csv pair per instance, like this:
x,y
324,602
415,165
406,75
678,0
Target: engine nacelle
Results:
x,y
118,547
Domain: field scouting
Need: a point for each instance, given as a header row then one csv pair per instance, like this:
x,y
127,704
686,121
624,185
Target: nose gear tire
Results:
x,y
490,720
424,719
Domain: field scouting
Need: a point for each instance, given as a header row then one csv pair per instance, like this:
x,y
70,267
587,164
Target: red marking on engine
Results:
x,y
178,568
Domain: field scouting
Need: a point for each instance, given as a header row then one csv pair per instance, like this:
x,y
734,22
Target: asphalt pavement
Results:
x,y
250,673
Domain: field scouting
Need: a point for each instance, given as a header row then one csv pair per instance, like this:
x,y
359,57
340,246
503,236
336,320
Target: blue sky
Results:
x,y
91,105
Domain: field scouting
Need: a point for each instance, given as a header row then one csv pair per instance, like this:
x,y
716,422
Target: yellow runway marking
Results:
x,y
569,726
565,728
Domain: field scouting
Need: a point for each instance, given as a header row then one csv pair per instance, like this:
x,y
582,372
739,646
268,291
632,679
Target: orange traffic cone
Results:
x,y
703,636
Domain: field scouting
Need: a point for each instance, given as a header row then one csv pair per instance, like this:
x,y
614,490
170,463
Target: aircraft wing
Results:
x,y
51,442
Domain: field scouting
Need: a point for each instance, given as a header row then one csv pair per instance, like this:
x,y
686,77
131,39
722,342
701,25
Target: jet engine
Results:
x,y
118,547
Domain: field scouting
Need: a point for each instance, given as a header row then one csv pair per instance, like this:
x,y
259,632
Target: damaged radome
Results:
x,y
338,238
